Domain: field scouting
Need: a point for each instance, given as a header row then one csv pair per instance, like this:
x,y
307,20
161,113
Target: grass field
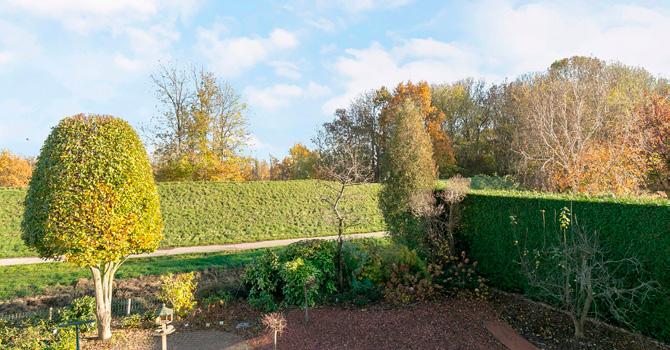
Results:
x,y
29,280
203,213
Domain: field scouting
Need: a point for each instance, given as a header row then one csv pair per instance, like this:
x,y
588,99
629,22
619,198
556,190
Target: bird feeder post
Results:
x,y
163,319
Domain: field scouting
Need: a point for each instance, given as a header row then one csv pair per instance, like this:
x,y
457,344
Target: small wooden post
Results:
x,y
128,307
164,336
51,313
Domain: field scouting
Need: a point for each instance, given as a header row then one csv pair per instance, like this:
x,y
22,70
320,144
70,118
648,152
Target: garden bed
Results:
x,y
549,328
447,323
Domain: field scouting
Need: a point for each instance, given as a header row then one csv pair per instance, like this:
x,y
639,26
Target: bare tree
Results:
x,y
275,323
201,121
341,166
174,96
575,117
577,273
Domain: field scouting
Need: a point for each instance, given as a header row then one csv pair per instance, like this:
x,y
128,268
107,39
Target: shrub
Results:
x,y
220,297
80,309
262,277
493,182
14,170
301,281
179,291
38,335
133,321
275,323
275,279
321,256
405,286
460,274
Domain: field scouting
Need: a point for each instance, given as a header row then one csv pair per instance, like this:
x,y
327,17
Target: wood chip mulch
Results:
x,y
448,324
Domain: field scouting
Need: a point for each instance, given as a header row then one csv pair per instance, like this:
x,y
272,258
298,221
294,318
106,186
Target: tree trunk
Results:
x,y
103,280
579,328
340,257
451,223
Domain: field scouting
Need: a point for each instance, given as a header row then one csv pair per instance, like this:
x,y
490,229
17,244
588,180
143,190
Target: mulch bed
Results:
x,y
550,329
447,324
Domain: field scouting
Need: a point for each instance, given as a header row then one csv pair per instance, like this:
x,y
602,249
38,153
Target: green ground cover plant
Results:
x,y
202,213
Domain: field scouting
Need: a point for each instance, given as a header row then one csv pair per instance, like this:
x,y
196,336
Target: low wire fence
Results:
x,y
120,308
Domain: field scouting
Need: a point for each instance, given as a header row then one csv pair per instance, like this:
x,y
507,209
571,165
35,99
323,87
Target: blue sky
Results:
x,y
293,62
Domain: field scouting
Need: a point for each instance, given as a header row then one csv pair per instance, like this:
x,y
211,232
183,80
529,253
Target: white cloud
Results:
x,y
16,45
416,59
233,55
529,37
84,16
286,69
283,39
321,23
282,95
147,46
355,6
506,39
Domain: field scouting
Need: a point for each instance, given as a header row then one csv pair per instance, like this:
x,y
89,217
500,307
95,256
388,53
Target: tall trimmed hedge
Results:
x,y
625,227
200,213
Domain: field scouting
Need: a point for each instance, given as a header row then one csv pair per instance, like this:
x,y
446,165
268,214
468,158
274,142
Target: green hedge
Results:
x,y
201,213
633,225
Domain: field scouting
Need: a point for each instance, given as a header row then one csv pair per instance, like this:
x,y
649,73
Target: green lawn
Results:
x,y
29,280
203,213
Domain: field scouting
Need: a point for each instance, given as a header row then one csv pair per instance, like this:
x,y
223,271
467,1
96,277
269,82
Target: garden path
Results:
x,y
204,248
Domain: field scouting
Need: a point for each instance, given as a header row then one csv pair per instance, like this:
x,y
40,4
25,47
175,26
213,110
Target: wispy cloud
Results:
x,y
416,59
282,95
230,56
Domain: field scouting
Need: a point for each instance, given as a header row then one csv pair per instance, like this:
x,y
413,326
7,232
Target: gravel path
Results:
x,y
203,249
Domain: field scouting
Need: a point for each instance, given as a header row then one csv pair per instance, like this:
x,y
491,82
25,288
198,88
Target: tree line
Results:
x,y
582,125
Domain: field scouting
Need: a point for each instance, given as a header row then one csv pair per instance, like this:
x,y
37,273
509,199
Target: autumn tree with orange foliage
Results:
x,y
656,129
420,95
14,170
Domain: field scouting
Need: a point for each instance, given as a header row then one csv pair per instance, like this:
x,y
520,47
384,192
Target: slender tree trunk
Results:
x,y
579,327
306,304
103,280
450,229
340,257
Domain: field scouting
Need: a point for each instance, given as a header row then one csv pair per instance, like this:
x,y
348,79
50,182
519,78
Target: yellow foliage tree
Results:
x,y
14,170
299,164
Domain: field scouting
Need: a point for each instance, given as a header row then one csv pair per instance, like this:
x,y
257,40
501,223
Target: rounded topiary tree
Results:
x,y
92,201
